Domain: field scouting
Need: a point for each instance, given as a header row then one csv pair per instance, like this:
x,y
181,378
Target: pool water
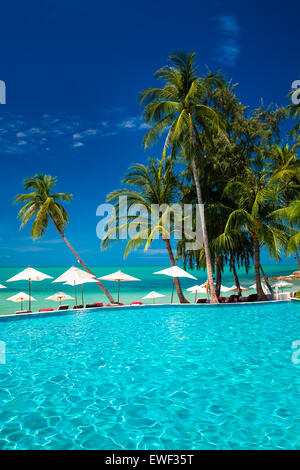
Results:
x,y
181,377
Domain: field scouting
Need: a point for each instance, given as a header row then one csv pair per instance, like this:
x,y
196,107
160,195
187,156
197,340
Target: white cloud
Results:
x,y
229,49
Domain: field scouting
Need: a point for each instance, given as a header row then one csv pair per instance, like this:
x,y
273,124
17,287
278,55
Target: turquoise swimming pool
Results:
x,y
181,377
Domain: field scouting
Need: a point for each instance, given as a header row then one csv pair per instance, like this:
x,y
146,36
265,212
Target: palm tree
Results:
x,y
285,167
258,201
155,187
179,108
44,206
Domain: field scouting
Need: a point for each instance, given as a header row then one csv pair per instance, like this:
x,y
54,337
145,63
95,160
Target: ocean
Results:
x,y
129,291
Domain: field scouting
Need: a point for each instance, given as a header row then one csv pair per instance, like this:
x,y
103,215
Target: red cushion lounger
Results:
x,y
46,309
78,306
136,303
114,305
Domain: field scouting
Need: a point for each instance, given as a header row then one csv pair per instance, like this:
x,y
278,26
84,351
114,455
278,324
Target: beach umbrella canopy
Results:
x,y
153,295
59,296
29,274
224,288
20,297
175,271
118,277
2,286
282,284
198,290
73,277
243,288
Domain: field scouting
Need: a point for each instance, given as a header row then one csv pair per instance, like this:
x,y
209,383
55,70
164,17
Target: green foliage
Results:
x,y
42,205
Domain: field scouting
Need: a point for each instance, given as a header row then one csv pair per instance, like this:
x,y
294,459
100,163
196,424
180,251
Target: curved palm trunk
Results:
x,y
85,267
236,279
218,277
213,297
259,290
181,297
266,280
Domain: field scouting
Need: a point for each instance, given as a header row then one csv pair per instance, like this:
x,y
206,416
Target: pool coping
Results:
x,y
14,316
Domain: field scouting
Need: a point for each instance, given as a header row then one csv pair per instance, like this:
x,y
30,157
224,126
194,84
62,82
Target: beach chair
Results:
x,y
63,307
136,303
94,305
201,301
78,306
46,310
251,298
23,311
117,304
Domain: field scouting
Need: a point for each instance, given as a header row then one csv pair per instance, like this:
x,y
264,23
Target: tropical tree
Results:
x,y
179,108
150,191
285,167
258,201
42,206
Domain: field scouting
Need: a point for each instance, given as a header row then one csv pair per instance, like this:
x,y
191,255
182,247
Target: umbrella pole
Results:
x,y
21,305
75,293
82,294
118,291
29,295
195,296
173,290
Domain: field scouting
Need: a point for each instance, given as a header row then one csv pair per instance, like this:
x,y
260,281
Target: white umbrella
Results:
x,y
79,283
281,284
198,290
75,276
224,288
235,289
153,295
59,296
29,274
118,277
20,297
175,271
2,286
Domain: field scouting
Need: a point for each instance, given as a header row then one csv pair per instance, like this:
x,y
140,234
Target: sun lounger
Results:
x,y
94,305
201,301
78,306
23,311
114,305
46,309
63,307
232,299
136,303
251,298
222,299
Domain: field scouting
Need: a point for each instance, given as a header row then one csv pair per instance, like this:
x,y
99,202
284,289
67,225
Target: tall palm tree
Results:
x,y
258,201
44,206
155,187
285,167
179,108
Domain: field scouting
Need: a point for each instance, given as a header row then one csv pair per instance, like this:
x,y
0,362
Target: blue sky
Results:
x,y
73,71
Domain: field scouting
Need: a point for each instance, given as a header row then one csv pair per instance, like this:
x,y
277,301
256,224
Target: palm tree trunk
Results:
x,y
236,279
181,297
218,277
85,267
213,297
266,280
259,290
298,260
